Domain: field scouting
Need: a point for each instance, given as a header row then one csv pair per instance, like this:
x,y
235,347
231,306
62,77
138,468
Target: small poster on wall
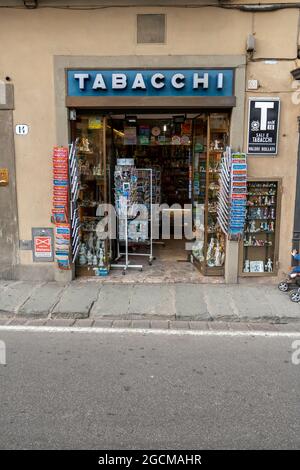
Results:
x,y
263,126
130,136
144,135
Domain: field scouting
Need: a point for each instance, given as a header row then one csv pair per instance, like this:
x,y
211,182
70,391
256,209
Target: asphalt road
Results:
x,y
124,391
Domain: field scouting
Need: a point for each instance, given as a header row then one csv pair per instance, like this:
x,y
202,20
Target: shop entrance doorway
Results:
x,y
182,154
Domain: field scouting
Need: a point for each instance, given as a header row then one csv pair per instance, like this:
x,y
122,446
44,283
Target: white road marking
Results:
x,y
177,332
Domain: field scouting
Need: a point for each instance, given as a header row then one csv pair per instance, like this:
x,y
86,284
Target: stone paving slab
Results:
x,y
14,295
220,303
190,302
250,302
112,301
155,300
280,303
141,324
102,323
198,325
36,322
160,324
121,324
42,300
76,300
218,325
85,322
182,325
64,322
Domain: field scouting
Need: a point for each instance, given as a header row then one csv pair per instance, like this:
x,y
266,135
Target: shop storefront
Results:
x,y
173,106
175,148
179,157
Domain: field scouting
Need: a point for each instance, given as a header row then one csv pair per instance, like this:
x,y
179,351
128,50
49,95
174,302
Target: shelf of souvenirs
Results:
x,y
248,204
260,218
91,177
88,205
257,243
264,193
166,143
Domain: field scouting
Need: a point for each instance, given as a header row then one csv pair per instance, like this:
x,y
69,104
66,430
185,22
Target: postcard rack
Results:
x,y
133,202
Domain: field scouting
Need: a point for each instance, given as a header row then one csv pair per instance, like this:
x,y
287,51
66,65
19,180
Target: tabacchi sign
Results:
x,y
263,126
162,82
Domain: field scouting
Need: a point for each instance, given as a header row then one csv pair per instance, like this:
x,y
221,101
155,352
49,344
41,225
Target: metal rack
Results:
x,y
124,220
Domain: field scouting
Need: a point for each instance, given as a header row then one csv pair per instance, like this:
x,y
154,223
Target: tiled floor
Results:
x,y
170,265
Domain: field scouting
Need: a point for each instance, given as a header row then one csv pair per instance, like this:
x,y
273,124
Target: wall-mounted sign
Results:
x,y
42,243
22,129
263,126
162,82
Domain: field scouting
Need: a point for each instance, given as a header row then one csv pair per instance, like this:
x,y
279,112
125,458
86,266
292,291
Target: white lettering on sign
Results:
x,y
200,80
264,106
22,129
81,77
99,83
220,81
139,82
177,80
118,81
157,80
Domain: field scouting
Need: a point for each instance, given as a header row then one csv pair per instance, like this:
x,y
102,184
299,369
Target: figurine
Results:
x,y
218,255
269,266
82,255
89,258
85,144
95,260
247,266
91,242
258,213
252,227
101,257
210,253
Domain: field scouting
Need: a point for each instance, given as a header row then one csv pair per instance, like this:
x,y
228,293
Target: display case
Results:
x,y
259,250
94,251
211,136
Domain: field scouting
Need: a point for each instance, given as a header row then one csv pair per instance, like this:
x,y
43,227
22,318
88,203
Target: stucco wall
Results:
x,y
30,39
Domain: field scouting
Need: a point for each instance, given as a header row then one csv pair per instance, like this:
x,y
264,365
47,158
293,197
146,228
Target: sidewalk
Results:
x,y
23,301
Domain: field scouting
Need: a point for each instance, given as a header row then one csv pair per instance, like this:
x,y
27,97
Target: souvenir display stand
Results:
x,y
61,209
210,140
74,192
259,247
133,202
92,256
